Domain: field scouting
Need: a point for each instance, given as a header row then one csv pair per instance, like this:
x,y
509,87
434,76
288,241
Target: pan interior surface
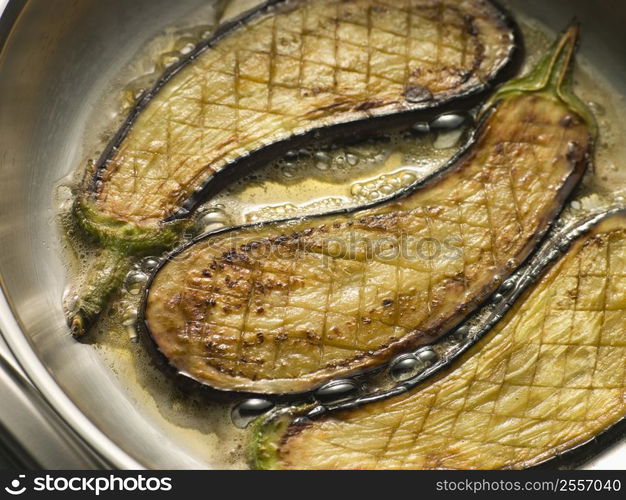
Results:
x,y
64,70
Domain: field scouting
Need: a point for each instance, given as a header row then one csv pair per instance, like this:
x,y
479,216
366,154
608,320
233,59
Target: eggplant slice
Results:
x,y
282,307
547,379
288,71
299,66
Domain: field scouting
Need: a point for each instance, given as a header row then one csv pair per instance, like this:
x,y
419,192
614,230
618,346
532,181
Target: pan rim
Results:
x,y
12,332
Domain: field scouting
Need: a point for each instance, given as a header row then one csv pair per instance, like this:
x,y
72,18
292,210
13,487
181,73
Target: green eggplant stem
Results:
x,y
262,450
104,275
553,78
120,244
265,432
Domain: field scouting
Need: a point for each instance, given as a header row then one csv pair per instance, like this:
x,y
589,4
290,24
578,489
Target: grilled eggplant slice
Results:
x,y
291,70
304,65
546,380
282,307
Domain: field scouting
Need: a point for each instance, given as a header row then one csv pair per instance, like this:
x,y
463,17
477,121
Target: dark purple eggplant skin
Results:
x,y
356,129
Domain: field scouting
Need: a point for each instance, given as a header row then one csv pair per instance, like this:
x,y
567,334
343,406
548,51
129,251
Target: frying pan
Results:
x,y
63,65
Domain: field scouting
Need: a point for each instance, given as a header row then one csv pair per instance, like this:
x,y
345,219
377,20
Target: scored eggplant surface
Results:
x,y
282,307
547,379
305,64
283,72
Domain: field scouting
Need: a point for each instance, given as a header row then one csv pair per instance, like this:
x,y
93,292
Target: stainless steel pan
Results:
x,y
59,60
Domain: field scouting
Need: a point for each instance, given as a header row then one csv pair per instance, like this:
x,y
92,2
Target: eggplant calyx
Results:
x,y
121,242
103,276
126,237
265,434
553,78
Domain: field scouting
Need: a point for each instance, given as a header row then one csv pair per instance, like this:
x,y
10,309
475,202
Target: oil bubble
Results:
x,y
135,281
187,48
211,220
405,367
246,411
129,322
420,128
448,139
352,159
288,171
597,108
408,178
337,391
170,59
448,121
320,165
427,355
149,264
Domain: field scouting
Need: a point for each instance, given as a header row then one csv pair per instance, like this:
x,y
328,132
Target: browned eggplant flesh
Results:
x,y
289,71
284,307
299,66
541,386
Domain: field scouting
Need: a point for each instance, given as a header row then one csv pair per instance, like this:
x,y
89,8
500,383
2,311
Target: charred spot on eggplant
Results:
x,y
284,307
288,71
539,388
